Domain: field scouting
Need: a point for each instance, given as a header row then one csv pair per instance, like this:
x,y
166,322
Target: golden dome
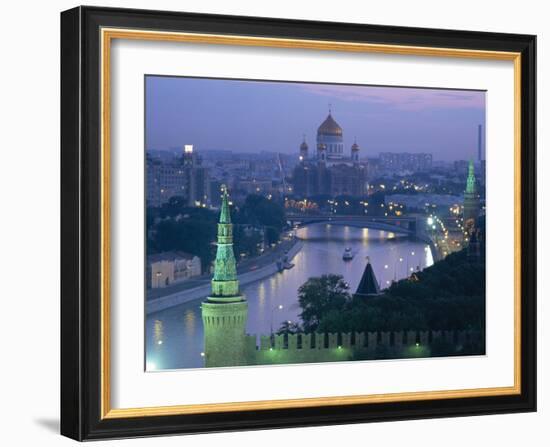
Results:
x,y
329,127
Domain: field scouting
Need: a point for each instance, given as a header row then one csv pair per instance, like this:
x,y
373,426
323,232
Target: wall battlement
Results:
x,y
330,347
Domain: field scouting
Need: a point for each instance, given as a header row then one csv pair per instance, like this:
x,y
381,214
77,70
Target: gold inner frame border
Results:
x,y
107,35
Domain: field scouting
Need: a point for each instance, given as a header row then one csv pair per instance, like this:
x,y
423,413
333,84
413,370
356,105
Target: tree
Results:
x,y
192,236
289,327
319,296
450,295
246,242
262,212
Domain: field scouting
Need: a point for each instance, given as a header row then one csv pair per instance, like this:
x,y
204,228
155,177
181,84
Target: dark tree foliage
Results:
x,y
446,296
456,275
375,201
191,235
246,242
259,212
318,297
289,327
174,226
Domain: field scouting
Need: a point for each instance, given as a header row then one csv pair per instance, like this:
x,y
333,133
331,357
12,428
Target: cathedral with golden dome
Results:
x,y
330,171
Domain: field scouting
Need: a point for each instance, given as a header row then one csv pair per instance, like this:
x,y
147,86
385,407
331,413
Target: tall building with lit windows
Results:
x,y
330,171
183,176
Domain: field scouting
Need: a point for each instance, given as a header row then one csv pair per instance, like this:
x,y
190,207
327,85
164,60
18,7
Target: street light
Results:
x,y
279,307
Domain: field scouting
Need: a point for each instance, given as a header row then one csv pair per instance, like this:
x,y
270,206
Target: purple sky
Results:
x,y
252,116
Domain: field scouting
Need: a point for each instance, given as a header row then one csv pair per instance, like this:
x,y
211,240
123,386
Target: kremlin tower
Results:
x,y
471,199
225,311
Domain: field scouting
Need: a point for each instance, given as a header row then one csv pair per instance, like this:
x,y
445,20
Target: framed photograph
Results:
x,y
274,223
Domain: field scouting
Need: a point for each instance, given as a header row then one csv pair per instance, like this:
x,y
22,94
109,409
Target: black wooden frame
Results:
x,y
80,223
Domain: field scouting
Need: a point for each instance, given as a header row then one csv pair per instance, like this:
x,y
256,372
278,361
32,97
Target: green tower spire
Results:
x,y
225,311
471,181
225,285
225,215
471,199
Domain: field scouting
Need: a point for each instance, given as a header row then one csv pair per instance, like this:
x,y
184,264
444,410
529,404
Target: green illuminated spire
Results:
x,y
471,199
225,285
471,181
225,215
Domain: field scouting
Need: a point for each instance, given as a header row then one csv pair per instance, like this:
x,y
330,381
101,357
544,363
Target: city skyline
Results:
x,y
255,116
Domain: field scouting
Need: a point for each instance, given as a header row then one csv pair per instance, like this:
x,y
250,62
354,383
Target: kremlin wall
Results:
x,y
332,347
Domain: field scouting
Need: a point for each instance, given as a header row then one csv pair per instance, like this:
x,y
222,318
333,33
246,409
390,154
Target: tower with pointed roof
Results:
x,y
471,199
225,311
368,286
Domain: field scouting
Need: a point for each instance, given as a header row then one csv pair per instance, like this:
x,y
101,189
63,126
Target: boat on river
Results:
x,y
348,254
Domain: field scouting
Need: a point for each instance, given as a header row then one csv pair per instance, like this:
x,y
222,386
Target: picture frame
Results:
x,y
87,34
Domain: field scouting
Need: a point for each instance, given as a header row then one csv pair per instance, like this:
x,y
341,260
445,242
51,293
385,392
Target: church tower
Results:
x,y
355,152
471,199
225,311
304,150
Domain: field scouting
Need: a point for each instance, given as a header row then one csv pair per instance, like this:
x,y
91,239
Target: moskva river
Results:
x,y
174,337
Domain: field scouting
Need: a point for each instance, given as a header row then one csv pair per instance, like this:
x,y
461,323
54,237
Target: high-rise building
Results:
x,y
197,182
225,311
184,176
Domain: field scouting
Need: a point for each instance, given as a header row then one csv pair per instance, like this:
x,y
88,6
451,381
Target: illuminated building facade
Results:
x,y
330,172
184,176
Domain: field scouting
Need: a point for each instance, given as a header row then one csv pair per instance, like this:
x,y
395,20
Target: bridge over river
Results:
x,y
409,225
413,225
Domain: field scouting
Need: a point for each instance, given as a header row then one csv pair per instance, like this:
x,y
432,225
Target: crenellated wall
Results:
x,y
335,347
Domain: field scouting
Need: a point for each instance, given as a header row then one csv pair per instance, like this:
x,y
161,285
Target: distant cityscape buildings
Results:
x,y
182,176
404,161
392,184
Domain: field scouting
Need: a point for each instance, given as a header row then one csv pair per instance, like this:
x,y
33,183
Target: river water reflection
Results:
x,y
174,337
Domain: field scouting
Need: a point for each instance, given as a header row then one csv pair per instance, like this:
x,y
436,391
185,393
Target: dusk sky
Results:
x,y
252,116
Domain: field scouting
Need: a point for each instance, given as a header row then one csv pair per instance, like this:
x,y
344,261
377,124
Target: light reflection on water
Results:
x,y
180,328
